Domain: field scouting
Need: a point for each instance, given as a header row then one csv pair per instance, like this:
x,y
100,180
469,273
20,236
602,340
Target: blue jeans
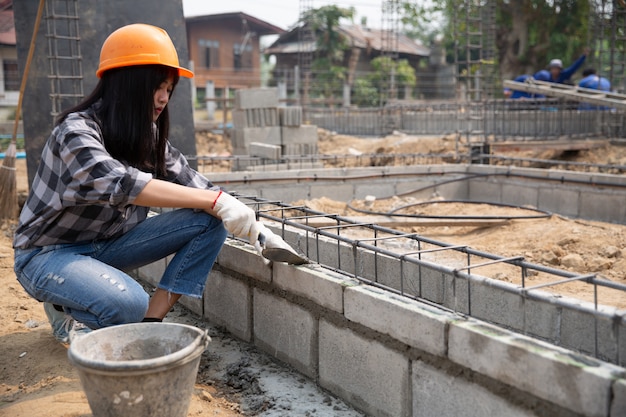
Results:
x,y
87,278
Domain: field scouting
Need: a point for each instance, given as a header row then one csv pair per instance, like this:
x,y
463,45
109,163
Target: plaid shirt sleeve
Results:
x,y
80,192
179,171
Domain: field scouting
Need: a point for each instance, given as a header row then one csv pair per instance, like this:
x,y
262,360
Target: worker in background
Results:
x,y
542,75
107,161
563,76
594,82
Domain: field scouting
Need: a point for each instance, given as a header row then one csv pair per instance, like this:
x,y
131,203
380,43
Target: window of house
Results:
x,y
11,75
242,56
209,51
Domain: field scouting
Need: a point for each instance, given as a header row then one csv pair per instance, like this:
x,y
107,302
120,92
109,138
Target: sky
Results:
x,y
282,13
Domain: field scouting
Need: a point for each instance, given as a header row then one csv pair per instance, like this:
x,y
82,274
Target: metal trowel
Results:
x,y
275,249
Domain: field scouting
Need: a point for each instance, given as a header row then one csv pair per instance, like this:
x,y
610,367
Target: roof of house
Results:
x,y
7,28
359,37
260,26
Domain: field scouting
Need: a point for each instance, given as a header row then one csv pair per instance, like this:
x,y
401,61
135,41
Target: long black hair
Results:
x,y
126,112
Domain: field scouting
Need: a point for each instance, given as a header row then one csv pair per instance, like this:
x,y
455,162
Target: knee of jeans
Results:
x,y
128,310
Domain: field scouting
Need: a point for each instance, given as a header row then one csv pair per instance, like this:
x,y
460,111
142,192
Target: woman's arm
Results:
x,y
159,193
238,219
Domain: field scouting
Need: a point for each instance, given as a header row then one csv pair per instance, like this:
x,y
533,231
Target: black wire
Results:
x,y
392,213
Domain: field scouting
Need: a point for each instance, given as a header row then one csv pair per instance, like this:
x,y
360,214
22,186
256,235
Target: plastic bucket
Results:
x,y
139,370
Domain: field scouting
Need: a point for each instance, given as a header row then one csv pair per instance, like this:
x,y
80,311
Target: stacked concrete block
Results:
x,y
264,150
290,116
258,119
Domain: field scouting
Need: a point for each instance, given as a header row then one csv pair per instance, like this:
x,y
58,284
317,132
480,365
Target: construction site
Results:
x,y
466,252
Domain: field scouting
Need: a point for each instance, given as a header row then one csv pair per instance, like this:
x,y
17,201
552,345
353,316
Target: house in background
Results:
x,y
9,72
364,44
225,50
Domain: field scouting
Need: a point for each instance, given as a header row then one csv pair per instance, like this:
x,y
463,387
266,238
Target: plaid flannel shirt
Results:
x,y
81,193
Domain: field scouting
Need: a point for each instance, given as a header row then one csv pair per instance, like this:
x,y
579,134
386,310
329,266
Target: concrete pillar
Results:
x,y
296,84
346,95
282,91
209,96
194,92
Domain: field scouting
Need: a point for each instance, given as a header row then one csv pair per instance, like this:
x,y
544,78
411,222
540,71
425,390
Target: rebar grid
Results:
x,y
460,261
64,55
608,38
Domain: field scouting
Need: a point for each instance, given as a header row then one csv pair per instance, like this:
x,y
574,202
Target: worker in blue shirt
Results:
x,y
562,76
595,82
542,75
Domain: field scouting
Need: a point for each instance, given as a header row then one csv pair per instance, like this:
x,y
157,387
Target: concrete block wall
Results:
x,y
588,196
389,355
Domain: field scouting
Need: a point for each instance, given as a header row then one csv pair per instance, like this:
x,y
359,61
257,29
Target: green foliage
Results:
x,y
404,72
364,94
324,21
367,91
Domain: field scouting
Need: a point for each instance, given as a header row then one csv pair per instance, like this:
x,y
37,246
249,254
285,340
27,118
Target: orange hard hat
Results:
x,y
139,44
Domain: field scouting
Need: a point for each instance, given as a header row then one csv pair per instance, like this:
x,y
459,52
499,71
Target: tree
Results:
x,y
369,90
528,32
331,45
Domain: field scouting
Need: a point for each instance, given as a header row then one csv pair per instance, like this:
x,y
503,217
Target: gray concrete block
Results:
x,y
304,134
520,194
313,283
542,318
269,135
618,405
558,200
244,259
493,304
153,272
602,207
408,321
454,190
432,284
193,304
287,331
339,192
366,373
240,119
264,150
290,116
286,194
579,384
256,98
300,149
380,268
437,393
456,293
379,190
227,303
578,332
485,190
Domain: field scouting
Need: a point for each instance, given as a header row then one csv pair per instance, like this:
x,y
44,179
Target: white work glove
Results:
x,y
238,219
272,241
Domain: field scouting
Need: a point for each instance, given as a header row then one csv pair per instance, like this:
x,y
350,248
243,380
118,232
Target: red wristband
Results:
x,y
215,201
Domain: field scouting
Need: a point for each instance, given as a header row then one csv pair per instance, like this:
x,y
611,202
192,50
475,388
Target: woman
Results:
x,y
106,162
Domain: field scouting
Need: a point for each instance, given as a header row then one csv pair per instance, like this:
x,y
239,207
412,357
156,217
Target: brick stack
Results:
x,y
262,128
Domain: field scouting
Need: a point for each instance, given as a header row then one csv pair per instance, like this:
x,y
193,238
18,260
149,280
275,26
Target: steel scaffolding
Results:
x,y
64,56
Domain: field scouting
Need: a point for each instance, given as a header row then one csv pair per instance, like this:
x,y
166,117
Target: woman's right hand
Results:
x,y
238,219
